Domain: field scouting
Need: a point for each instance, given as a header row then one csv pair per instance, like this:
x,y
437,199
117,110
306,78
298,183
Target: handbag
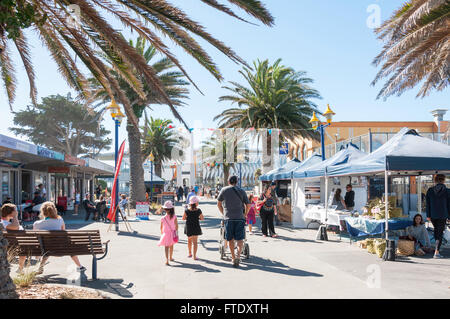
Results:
x,y
405,247
174,232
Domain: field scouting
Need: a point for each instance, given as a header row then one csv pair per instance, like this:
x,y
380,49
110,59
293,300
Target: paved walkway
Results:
x,y
294,265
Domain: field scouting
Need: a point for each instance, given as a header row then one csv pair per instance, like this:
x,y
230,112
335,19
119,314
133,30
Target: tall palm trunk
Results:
x,y
267,159
226,173
137,186
7,287
158,169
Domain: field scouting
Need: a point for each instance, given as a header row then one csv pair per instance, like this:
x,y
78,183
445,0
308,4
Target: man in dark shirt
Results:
x,y
438,210
89,207
234,205
349,198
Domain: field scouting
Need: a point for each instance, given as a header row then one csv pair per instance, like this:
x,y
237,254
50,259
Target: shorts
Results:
x,y
250,222
235,229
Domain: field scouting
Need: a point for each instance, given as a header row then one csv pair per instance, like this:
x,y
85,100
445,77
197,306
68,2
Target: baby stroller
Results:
x,y
224,250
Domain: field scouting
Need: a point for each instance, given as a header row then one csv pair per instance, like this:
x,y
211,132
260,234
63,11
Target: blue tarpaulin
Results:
x,y
406,151
348,154
360,227
283,172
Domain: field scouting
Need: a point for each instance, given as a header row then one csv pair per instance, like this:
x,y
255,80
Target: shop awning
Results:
x,y
310,161
283,172
406,151
347,155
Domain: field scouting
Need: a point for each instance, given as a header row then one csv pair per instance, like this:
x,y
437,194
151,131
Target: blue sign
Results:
x,y
284,149
44,152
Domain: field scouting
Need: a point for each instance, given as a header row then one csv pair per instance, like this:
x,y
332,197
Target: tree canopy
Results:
x,y
64,125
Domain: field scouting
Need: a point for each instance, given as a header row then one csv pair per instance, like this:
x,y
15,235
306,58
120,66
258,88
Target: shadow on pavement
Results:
x,y
137,235
257,263
205,242
113,286
196,267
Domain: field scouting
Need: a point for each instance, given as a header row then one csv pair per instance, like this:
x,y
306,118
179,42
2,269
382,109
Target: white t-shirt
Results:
x,y
6,223
48,224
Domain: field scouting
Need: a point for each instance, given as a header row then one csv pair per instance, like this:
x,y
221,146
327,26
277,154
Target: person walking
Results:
x,y
169,231
438,210
186,192
233,204
273,191
349,197
267,211
180,193
251,216
193,215
191,194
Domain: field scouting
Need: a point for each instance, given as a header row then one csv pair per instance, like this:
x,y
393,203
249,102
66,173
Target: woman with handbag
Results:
x,y
193,215
267,211
169,231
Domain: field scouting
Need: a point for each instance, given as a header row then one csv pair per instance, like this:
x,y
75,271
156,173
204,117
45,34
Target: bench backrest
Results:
x,y
55,242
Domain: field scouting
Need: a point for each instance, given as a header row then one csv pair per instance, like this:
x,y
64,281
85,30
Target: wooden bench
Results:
x,y
58,243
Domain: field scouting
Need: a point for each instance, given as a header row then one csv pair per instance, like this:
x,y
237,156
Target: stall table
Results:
x,y
362,226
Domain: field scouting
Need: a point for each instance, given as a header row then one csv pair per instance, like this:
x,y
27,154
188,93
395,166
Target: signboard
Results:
x,y
44,152
59,169
14,144
142,211
74,160
284,149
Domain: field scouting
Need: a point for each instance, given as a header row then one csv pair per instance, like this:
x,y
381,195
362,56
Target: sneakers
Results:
x,y
236,263
81,269
437,256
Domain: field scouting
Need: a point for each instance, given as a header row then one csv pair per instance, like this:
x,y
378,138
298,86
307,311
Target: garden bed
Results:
x,y
44,291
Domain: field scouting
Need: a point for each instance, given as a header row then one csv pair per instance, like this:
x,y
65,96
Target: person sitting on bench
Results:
x,y
89,207
37,200
10,221
50,220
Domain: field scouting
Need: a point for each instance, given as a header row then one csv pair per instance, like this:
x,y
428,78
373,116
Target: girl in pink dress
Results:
x,y
169,225
251,216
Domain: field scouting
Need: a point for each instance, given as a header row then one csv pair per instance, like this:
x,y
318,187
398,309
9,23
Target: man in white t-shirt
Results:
x,y
10,221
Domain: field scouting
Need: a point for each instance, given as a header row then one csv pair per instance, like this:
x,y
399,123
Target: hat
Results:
x,y
273,183
168,205
194,200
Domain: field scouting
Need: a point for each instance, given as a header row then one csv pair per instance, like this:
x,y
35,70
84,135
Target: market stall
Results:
x,y
283,189
312,189
405,154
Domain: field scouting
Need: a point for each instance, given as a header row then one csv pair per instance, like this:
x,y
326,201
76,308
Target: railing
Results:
x,y
363,142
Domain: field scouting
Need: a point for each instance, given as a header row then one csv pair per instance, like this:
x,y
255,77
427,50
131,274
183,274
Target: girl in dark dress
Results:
x,y
193,215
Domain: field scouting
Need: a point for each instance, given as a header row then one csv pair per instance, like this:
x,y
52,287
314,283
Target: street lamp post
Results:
x,y
151,158
317,125
117,116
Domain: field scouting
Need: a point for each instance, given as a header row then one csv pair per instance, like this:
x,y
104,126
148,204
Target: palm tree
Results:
x,y
174,85
81,26
161,140
7,287
417,48
278,97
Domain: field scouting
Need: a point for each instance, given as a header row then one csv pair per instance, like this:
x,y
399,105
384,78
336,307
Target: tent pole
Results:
x,y
386,202
389,253
419,193
322,233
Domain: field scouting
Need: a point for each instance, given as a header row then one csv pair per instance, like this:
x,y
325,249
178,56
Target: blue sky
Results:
x,y
330,40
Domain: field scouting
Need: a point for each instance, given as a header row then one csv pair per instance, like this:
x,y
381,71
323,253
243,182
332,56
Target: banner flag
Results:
x,y
112,209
